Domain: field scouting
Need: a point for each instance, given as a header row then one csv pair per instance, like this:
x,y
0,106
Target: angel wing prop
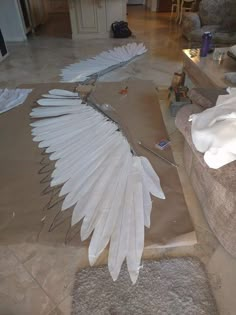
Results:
x,y
103,63
108,185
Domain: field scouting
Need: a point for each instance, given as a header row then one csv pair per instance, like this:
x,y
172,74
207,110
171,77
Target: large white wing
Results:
x,y
108,186
100,64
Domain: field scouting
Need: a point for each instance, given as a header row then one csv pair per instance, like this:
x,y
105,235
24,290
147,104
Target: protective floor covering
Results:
x,y
31,210
177,286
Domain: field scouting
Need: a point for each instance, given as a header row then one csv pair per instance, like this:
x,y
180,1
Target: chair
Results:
x,y
175,8
185,6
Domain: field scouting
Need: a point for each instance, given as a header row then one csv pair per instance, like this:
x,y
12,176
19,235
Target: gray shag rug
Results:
x,y
176,286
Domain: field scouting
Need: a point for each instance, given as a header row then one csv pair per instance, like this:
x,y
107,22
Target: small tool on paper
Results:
x,y
156,154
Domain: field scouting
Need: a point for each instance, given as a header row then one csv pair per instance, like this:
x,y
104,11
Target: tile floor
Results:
x,y
37,279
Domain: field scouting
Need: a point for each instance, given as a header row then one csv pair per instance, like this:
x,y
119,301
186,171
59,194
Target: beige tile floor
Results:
x,y
37,279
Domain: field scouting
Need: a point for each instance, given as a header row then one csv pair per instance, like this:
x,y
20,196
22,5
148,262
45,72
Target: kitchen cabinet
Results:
x,y
56,6
152,4
135,2
11,21
19,17
3,48
93,18
37,12
164,6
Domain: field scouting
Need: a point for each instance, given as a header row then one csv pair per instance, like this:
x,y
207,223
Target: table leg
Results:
x,y
177,11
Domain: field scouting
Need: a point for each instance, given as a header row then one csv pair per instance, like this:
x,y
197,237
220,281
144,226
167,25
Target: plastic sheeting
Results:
x,y
12,98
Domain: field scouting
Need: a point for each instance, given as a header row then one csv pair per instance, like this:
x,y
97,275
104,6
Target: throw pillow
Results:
x,y
229,22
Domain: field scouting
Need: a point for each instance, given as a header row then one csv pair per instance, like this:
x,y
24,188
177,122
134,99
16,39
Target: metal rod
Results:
x,y
91,102
156,154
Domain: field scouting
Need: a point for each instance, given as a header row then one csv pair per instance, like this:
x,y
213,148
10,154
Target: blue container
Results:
x,y
206,44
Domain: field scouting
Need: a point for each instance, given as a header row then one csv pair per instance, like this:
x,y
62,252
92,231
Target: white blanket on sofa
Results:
x,y
214,131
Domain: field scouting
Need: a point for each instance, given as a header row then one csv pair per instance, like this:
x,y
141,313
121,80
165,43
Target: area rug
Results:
x,y
177,286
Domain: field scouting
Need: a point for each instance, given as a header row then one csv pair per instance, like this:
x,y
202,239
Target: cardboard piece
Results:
x,y
30,215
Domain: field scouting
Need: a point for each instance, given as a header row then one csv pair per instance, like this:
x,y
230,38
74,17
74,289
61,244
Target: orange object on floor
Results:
x,y
124,91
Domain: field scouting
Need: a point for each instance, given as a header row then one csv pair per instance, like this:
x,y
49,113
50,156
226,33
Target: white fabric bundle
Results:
x,y
231,76
79,72
232,49
106,184
12,98
214,131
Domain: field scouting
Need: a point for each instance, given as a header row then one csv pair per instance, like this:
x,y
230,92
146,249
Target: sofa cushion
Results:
x,y
225,38
210,12
229,23
225,175
196,34
216,16
218,202
214,188
219,37
205,98
184,126
191,22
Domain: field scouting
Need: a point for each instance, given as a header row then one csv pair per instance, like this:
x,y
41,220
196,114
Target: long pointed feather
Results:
x,y
110,210
61,92
118,249
136,224
52,96
151,179
59,102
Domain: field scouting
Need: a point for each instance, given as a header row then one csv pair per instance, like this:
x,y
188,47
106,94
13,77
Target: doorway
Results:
x,y
57,20
135,2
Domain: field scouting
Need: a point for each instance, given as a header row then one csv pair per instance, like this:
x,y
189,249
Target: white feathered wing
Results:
x,y
106,184
107,60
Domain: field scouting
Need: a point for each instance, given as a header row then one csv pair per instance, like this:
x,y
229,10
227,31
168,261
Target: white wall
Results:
x,y
37,10
92,19
10,21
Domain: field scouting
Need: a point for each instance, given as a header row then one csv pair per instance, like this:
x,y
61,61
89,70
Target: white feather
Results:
x,y
147,204
110,209
59,97
59,102
50,122
64,93
54,111
151,179
136,223
118,249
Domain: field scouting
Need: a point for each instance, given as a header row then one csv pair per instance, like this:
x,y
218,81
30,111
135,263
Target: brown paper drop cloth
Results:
x,y
25,216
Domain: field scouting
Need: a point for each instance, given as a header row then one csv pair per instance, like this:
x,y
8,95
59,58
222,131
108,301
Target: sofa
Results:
x,y
216,16
215,189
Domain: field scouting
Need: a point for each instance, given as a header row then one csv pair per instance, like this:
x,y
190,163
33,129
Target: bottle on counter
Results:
x,y
206,44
